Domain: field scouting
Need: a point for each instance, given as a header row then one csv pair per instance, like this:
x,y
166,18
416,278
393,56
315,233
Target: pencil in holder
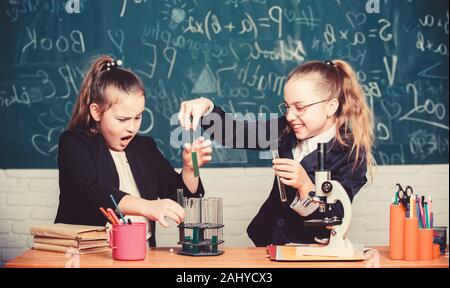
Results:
x,y
411,237
425,244
396,232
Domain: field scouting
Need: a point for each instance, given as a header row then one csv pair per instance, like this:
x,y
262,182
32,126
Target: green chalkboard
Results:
x,y
236,52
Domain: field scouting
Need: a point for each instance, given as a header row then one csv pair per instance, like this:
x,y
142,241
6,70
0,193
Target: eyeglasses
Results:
x,y
299,110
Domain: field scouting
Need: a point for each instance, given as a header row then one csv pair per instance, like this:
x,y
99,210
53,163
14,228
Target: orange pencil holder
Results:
x,y
411,237
425,244
396,232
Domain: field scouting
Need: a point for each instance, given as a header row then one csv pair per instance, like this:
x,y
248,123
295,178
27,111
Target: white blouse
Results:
x,y
128,184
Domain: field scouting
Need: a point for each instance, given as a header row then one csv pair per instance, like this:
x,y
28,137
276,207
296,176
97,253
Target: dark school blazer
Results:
x,y
88,175
277,223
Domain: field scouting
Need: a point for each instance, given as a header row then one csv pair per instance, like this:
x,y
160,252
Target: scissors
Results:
x,y
404,194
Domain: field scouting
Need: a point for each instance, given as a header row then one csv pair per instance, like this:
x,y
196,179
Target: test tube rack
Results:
x,y
199,244
202,230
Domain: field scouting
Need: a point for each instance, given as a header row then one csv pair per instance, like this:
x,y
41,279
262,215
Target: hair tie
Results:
x,y
114,64
330,63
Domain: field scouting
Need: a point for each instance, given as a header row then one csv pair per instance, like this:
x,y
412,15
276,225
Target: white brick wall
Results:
x,y
30,197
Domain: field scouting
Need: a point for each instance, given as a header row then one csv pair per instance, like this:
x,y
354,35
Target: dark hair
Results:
x,y
96,81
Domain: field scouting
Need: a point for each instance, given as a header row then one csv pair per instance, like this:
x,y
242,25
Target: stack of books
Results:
x,y
66,238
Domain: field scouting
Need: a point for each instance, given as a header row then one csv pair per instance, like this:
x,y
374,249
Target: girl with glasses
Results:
x,y
323,103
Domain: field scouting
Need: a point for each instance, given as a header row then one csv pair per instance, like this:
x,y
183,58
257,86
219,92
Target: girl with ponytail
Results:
x,y
323,103
101,154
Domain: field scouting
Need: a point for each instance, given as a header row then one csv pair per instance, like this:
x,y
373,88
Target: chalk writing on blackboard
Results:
x,y
238,53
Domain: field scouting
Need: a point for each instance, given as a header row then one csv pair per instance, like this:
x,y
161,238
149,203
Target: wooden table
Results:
x,y
161,257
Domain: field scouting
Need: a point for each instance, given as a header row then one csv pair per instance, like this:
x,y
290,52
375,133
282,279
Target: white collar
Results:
x,y
119,155
310,144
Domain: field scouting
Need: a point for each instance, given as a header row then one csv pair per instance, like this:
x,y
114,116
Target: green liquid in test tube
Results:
x,y
194,157
195,239
186,247
195,163
214,244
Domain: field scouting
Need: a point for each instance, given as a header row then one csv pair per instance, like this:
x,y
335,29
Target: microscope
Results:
x,y
328,192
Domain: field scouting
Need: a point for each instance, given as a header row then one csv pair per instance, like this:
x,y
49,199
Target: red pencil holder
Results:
x,y
128,241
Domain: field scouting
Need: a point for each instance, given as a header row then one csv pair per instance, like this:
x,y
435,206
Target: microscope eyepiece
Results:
x,y
321,157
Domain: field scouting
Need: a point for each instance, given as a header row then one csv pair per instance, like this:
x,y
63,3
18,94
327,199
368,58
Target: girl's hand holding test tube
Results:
x,y
203,151
293,174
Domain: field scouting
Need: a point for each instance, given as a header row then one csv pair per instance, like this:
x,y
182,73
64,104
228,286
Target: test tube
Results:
x,y
203,232
215,210
186,247
195,215
195,163
186,209
180,198
215,217
194,156
214,244
193,210
281,186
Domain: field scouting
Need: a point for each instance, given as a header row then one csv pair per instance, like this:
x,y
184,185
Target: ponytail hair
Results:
x,y
354,116
93,90
354,119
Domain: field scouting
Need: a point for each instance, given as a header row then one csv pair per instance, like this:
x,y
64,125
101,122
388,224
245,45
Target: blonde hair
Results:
x,y
354,119
93,88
